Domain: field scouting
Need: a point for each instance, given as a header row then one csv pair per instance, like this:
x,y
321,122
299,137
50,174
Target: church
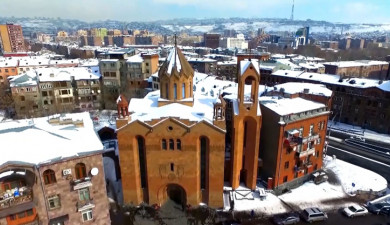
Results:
x,y
198,135
172,143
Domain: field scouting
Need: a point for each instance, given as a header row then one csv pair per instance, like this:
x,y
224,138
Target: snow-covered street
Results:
x,y
327,195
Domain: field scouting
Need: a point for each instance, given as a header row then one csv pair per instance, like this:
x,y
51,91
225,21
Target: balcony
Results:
x,y
306,153
9,199
309,138
85,204
81,183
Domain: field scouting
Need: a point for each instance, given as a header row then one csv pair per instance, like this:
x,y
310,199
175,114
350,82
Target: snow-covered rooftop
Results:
x,y
65,74
356,63
27,79
286,106
135,59
245,64
294,87
36,141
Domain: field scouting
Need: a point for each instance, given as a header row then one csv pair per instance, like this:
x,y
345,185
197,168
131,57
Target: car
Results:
x,y
319,177
379,208
355,210
314,214
286,218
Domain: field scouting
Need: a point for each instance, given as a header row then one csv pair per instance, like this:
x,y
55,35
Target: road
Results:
x,y
337,219
361,157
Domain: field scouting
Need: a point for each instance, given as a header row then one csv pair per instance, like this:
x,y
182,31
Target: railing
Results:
x,y
85,204
81,183
8,199
306,153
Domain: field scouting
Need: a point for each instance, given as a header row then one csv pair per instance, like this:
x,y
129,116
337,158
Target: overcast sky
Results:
x,y
350,11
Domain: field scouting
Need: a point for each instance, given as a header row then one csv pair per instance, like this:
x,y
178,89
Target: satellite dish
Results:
x,y
94,171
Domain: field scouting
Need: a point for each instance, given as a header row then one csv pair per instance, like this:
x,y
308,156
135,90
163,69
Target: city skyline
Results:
x,y
347,11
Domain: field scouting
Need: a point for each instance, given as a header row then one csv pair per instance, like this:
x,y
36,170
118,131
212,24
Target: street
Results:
x,y
338,219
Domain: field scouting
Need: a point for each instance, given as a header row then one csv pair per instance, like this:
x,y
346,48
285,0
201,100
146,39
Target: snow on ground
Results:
x,y
363,179
368,134
270,205
325,195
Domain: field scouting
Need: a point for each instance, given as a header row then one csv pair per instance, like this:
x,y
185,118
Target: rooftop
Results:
x,y
287,106
32,140
295,87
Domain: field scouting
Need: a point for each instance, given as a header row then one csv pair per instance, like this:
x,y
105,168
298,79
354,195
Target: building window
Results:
x,y
175,91
286,165
183,90
172,167
84,194
142,160
22,98
171,144
284,179
49,177
54,202
203,151
87,215
311,130
81,171
164,144
318,154
178,144
166,91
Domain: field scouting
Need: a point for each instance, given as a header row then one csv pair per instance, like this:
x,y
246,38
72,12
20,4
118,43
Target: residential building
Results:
x,y
11,38
292,140
227,70
47,91
7,68
211,40
359,69
357,101
204,65
237,42
42,184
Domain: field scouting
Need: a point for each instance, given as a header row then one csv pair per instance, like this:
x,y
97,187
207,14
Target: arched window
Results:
x,y
203,160
183,90
178,144
166,91
142,160
81,171
175,90
49,177
164,144
171,144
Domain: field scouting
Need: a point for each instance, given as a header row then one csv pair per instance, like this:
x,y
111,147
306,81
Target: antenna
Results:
x,y
175,41
292,11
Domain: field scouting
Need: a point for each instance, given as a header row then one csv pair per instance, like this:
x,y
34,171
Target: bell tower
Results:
x,y
247,124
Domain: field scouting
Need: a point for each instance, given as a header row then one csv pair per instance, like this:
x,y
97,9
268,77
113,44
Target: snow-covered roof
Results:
x,y
26,79
286,106
135,59
356,63
109,60
35,61
173,60
89,62
205,60
206,93
65,74
245,64
64,62
8,63
37,141
294,87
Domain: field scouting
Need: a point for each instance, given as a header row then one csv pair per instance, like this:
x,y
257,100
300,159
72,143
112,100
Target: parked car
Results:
x,y
355,210
314,214
379,208
319,177
286,218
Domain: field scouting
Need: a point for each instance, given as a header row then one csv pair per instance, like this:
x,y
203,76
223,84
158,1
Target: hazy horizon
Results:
x,y
344,11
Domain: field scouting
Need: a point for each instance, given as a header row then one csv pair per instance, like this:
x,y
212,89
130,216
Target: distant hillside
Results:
x,y
197,26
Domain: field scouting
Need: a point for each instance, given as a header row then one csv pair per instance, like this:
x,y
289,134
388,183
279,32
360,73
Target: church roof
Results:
x,y
176,63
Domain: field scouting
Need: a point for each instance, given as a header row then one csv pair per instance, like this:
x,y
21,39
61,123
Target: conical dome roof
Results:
x,y
176,64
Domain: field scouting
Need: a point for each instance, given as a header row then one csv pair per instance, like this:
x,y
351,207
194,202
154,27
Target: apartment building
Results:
x,y
42,184
11,38
47,91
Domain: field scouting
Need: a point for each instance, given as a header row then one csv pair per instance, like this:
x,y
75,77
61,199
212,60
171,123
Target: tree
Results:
x,y
6,100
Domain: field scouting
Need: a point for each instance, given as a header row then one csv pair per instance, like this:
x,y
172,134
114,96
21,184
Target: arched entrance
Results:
x,y
177,194
171,195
